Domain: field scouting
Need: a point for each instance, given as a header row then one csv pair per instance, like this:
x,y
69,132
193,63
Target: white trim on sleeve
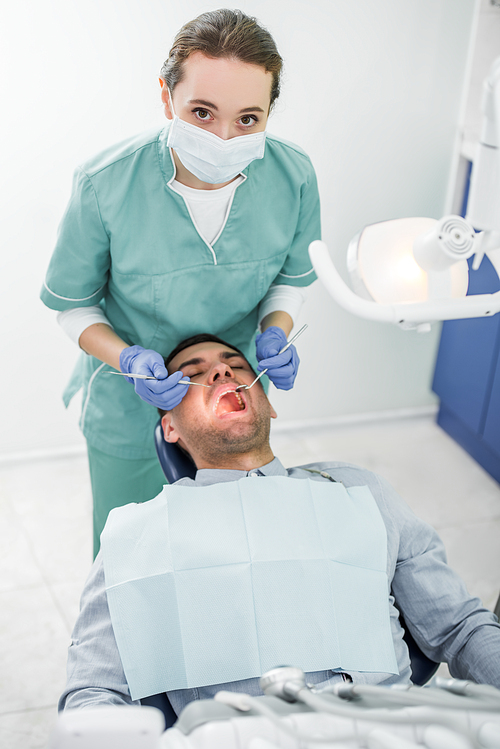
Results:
x,y
301,275
70,299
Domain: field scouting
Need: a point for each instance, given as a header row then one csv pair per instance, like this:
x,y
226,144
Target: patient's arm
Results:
x,y
448,624
95,672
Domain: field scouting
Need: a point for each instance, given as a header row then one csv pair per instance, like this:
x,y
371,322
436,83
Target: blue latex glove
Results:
x,y
165,392
282,367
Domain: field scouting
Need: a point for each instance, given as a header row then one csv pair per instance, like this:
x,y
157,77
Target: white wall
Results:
x,y
486,50
371,91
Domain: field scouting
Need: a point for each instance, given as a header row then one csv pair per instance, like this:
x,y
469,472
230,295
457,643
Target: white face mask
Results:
x,y
209,157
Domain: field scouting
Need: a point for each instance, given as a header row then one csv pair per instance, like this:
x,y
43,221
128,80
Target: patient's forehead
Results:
x,y
206,351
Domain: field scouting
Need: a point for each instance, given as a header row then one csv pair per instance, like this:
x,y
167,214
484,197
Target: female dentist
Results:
x,y
201,227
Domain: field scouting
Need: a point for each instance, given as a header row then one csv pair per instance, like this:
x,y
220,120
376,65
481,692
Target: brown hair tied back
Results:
x,y
224,33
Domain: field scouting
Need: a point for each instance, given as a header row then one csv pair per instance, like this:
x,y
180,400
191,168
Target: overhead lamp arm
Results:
x,y
412,313
483,214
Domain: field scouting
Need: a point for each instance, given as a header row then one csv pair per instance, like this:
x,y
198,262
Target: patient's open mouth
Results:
x,y
229,401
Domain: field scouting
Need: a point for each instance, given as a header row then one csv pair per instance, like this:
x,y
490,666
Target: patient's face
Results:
x,y
215,421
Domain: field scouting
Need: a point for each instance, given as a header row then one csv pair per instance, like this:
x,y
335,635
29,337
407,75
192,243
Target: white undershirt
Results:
x,y
209,209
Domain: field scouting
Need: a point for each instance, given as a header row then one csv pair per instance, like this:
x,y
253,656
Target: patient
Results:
x,y
225,576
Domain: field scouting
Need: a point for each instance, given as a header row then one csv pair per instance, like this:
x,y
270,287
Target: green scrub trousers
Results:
x,y
116,482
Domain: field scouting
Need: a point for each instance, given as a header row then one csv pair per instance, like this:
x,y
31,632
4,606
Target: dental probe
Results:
x,y
292,339
185,382
188,382
135,376
149,377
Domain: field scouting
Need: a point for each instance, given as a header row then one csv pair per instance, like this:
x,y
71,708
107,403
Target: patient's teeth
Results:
x,y
240,400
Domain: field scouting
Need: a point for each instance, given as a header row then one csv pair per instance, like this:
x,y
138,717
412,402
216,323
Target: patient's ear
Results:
x,y
170,433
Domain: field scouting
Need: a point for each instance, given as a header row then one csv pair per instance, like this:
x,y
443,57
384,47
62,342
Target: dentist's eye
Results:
x,y
248,120
202,114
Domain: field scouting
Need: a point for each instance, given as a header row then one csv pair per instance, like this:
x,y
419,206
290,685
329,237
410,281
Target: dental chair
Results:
x,y
176,465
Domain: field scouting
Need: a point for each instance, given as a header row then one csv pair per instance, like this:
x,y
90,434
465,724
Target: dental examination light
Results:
x,y
414,271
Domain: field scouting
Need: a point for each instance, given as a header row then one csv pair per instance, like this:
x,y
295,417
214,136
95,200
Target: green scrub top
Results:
x,y
127,241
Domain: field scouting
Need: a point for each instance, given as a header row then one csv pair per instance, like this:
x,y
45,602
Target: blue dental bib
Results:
x,y
213,584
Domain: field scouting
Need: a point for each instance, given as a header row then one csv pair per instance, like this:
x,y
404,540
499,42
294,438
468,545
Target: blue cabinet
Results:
x,y
467,378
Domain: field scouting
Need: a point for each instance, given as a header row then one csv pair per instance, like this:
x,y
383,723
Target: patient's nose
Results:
x,y
222,369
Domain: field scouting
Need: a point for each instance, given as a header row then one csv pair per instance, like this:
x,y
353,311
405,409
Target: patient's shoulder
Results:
x,y
182,482
348,474
389,501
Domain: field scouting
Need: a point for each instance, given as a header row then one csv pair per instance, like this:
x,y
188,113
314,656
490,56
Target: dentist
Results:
x,y
205,223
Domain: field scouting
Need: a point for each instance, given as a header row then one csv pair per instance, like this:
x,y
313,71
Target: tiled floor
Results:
x,y
45,518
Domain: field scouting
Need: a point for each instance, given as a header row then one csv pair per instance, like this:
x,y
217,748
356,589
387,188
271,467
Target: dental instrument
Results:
x,y
292,339
297,715
186,382
135,376
149,377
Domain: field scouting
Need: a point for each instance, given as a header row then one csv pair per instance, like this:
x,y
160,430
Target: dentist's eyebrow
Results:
x,y
251,109
203,103
209,105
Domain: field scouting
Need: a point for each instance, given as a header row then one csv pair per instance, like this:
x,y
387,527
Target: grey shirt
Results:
x,y
446,622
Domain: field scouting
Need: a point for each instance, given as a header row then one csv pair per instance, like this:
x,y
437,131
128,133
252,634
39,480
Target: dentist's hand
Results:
x,y
164,392
282,368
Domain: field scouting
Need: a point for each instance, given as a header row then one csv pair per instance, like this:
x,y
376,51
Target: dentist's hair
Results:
x,y
224,33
